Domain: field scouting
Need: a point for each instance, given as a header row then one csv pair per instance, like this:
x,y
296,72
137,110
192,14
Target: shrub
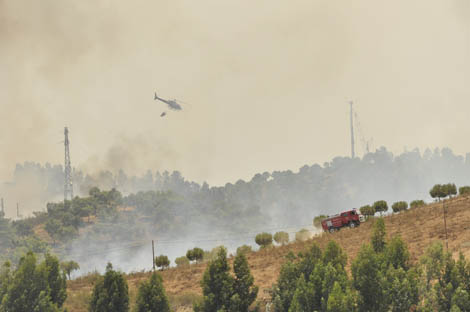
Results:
x,y
281,238
302,235
162,262
181,261
464,190
367,210
380,206
417,203
264,239
399,206
317,220
244,249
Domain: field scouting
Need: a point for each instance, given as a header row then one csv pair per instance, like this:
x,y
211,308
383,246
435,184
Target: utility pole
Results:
x,y
17,210
445,224
352,129
153,256
68,185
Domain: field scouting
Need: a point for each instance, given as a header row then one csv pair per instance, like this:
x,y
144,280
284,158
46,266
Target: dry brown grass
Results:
x,y
418,227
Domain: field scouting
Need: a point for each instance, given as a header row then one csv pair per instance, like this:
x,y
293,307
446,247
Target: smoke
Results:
x,y
94,65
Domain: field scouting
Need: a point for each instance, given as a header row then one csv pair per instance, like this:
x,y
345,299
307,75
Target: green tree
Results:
x,y
451,189
53,228
23,227
401,289
195,254
264,239
110,293
162,262
464,190
367,280
69,266
367,210
217,286
29,289
378,235
151,296
397,254
281,238
335,255
5,280
340,300
380,206
244,291
304,297
399,206
181,261
438,191
56,280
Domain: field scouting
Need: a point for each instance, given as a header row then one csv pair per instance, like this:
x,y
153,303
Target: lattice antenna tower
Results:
x,y
68,185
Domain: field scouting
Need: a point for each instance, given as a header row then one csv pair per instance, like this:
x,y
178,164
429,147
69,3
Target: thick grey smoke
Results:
x,y
268,82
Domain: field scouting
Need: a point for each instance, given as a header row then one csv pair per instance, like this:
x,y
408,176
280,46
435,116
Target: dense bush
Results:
x,y
417,203
162,262
281,238
399,206
264,239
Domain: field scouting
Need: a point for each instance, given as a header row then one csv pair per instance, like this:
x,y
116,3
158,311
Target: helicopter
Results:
x,y
172,104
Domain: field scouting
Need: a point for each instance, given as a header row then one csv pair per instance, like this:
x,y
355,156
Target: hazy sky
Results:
x,y
267,82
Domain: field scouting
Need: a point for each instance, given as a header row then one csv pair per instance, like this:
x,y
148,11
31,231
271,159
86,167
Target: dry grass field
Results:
x,y
418,227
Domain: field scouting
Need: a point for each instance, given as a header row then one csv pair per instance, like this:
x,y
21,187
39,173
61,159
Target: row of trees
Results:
x,y
382,279
222,291
111,294
32,286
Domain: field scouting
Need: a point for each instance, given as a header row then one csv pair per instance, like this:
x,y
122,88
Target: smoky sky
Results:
x,y
267,82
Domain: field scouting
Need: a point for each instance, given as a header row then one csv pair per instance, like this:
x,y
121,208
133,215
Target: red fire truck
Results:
x,y
349,218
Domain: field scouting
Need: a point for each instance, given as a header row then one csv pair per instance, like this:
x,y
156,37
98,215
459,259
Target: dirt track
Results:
x,y
418,227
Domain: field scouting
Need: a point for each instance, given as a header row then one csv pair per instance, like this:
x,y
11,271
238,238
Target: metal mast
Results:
x,y
352,129
3,208
68,185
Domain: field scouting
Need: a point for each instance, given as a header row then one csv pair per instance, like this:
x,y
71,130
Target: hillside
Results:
x,y
418,227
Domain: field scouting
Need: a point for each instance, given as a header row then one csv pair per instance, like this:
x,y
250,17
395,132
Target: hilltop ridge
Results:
x,y
418,227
